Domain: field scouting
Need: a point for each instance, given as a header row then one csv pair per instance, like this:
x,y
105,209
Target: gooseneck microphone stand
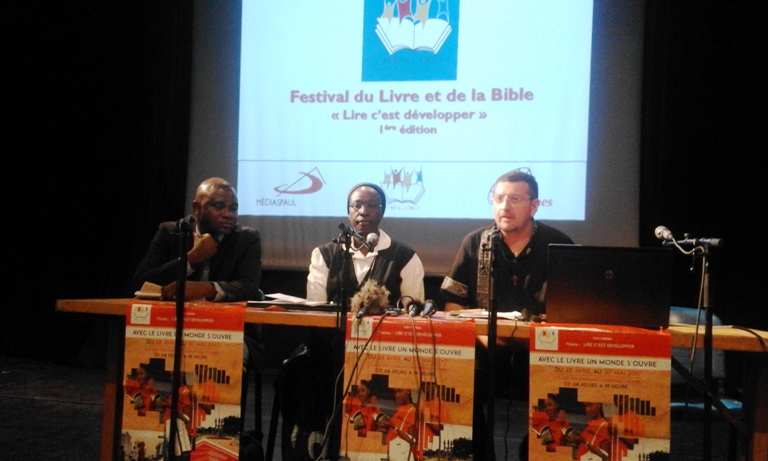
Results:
x,y
704,297
492,315
701,249
185,232
708,387
344,240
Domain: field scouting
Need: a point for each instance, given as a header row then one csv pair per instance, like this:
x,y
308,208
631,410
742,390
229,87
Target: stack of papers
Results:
x,y
280,298
149,291
483,314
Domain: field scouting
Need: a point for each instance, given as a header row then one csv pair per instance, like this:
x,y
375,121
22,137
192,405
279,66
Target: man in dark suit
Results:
x,y
223,259
223,264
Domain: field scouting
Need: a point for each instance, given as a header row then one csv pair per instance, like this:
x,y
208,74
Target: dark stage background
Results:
x,y
99,98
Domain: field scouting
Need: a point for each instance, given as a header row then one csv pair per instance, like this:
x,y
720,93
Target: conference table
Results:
x,y
752,343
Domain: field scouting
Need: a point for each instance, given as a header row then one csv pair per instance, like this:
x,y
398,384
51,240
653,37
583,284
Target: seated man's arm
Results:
x,y
160,264
243,285
449,306
455,294
457,288
192,290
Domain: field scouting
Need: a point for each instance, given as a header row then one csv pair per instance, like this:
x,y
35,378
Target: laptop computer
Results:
x,y
609,285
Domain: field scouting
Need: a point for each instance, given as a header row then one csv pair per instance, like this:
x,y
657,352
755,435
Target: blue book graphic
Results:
x,y
410,40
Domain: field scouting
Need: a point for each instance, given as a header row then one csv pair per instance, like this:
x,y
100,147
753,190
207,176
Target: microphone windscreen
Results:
x,y
372,238
371,297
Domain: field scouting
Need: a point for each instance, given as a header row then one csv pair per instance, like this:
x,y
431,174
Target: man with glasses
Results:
x,y
389,262
515,247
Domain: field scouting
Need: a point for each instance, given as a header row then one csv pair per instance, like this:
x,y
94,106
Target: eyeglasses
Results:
x,y
514,200
357,206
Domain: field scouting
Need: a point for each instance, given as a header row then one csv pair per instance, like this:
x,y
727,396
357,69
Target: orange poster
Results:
x,y
208,410
408,389
599,393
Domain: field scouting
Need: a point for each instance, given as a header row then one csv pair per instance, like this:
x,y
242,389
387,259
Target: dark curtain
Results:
x,y
703,139
101,97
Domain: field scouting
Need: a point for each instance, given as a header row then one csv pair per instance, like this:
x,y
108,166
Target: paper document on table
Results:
x,y
483,314
280,298
149,291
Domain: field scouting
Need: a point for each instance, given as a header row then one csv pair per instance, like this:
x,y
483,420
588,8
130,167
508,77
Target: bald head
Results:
x,y
211,185
215,206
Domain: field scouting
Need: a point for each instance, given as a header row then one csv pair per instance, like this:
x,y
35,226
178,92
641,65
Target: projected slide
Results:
x,y
431,99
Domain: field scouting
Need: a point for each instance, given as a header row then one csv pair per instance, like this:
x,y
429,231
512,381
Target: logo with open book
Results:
x,y
410,40
141,314
546,339
404,186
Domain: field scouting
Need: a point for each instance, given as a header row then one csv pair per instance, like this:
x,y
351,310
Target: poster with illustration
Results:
x,y
408,385
208,403
599,393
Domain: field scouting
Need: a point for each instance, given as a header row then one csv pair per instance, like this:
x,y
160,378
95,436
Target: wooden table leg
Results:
x,y
113,389
755,405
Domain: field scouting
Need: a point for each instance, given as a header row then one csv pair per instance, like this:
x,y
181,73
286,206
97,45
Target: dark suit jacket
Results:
x,y
236,267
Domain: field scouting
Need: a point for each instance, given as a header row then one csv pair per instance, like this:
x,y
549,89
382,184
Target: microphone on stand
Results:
x,y
368,242
662,233
371,240
361,312
496,234
695,242
187,222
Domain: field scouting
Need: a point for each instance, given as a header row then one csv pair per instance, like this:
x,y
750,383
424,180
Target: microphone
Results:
x,y
415,307
393,311
429,309
496,235
412,306
662,233
368,242
187,222
695,242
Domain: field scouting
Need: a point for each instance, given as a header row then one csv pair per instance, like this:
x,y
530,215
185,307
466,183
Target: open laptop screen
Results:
x,y
627,286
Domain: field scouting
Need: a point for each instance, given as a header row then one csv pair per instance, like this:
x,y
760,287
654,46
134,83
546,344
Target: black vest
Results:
x,y
389,263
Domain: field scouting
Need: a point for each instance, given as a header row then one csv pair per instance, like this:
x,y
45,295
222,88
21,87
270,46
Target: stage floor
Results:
x,y
53,412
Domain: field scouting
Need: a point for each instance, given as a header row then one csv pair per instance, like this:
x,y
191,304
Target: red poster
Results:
x,y
408,389
598,393
209,395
